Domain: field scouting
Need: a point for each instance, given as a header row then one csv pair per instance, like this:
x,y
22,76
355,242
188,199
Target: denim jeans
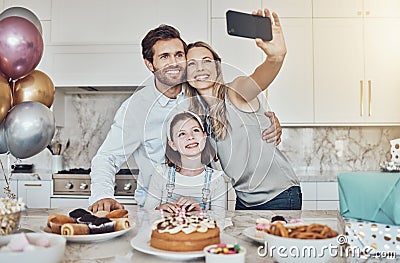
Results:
x,y
290,199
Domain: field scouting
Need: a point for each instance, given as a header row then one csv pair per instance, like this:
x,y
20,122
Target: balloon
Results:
x,y
24,13
3,144
5,98
21,47
29,128
37,86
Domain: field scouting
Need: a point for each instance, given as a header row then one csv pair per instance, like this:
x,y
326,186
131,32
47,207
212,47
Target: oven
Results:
x,y
71,188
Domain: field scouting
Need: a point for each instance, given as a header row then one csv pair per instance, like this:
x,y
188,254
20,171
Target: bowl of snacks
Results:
x,y
10,214
299,242
225,253
28,247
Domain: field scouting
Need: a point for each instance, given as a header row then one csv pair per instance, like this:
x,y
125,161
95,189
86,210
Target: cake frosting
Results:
x,y
184,233
187,224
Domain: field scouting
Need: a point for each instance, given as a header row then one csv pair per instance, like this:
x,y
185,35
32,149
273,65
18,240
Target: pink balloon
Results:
x,y
21,47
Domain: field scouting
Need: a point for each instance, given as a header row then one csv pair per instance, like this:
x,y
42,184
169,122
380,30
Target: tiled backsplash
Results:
x,y
89,117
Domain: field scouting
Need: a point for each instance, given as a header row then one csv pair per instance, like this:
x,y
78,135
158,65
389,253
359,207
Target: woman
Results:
x,y
261,175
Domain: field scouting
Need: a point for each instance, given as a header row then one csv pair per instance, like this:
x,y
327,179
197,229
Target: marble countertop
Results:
x,y
304,175
120,250
317,176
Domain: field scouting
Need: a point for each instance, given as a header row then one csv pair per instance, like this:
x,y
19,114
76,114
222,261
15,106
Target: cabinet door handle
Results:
x,y
32,184
361,98
369,98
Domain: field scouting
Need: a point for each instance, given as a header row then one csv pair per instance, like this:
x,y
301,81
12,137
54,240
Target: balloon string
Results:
x,y
4,173
7,189
13,92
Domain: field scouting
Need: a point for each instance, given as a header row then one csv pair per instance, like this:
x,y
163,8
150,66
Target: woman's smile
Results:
x,y
201,68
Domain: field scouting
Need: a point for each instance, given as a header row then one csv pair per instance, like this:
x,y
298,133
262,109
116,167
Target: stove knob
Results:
x,y
127,186
83,186
69,185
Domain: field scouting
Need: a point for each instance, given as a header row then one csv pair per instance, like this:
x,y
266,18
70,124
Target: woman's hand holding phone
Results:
x,y
276,48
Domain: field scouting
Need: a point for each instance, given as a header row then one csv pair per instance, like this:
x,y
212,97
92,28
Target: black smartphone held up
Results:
x,y
248,25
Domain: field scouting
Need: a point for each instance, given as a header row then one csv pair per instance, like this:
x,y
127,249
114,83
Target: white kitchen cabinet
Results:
x,y
309,190
356,80
338,70
291,94
242,56
99,65
320,195
309,193
356,8
289,8
219,7
125,21
97,42
327,196
35,194
327,191
13,186
382,67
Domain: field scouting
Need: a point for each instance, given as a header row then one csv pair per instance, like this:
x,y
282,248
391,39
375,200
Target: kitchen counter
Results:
x,y
120,250
37,174
318,176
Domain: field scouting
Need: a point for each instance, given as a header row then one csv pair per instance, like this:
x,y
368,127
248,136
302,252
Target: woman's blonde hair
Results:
x,y
219,121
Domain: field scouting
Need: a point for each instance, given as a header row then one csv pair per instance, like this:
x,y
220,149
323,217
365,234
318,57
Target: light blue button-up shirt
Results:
x,y
139,130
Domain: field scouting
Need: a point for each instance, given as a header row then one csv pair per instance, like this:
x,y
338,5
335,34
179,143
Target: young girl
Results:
x,y
186,180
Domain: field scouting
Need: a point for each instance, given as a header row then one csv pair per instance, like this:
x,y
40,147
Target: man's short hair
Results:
x,y
162,32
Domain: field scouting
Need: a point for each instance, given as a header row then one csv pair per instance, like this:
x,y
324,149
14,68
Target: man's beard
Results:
x,y
164,78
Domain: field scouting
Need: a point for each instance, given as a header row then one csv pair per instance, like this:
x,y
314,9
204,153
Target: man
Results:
x,y
137,123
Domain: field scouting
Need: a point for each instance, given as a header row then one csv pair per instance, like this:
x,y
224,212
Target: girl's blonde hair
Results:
x,y
219,121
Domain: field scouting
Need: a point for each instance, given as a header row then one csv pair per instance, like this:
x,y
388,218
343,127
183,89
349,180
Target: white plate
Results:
x,y
142,244
250,232
94,237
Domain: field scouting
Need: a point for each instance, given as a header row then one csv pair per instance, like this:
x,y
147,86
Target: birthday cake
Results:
x,y
184,233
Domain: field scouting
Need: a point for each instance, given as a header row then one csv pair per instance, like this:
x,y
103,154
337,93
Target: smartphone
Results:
x,y
248,25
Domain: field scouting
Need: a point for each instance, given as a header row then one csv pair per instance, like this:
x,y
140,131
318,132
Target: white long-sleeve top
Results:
x,y
139,130
190,186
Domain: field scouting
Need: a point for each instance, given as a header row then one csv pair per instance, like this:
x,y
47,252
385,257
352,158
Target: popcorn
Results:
x,y
10,212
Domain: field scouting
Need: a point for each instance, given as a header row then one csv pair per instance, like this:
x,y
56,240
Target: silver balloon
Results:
x,y
29,128
24,13
3,144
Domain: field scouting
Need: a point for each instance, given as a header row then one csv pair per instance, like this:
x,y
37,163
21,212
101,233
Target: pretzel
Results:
x,y
313,231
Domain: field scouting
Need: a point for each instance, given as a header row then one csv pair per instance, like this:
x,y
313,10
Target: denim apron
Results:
x,y
204,202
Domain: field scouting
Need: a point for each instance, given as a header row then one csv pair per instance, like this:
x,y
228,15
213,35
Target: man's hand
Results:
x,y
106,204
168,207
189,203
274,132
